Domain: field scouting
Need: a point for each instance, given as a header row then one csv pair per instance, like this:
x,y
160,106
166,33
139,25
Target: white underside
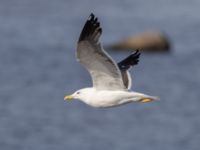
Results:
x,y
106,98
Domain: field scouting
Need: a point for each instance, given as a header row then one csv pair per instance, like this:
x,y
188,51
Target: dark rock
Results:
x,y
147,41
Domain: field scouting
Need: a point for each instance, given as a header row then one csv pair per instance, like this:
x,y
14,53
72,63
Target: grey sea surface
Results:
x,y
38,67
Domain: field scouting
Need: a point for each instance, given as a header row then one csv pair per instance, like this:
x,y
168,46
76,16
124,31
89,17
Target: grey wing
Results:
x,y
125,64
103,70
126,79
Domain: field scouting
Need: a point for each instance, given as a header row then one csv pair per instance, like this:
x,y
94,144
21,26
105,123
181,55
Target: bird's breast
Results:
x,y
105,98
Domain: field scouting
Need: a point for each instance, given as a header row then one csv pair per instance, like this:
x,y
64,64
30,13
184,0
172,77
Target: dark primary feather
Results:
x,y
131,60
91,29
125,64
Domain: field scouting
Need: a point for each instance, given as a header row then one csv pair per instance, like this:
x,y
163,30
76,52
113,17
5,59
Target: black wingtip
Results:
x,y
91,15
131,60
100,30
91,28
136,54
134,57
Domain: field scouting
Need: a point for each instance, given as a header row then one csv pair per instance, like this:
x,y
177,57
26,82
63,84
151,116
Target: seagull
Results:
x,y
111,81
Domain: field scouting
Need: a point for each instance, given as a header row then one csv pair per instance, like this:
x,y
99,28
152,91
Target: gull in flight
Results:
x,y
111,81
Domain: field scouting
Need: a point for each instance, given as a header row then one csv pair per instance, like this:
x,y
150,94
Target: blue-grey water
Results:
x,y
38,67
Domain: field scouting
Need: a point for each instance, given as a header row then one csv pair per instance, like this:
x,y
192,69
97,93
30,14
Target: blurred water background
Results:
x,y
37,44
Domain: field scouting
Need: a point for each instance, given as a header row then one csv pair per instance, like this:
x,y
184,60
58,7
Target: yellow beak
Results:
x,y
68,97
146,100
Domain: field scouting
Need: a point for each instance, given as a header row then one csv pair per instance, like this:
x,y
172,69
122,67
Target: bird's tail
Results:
x,y
146,99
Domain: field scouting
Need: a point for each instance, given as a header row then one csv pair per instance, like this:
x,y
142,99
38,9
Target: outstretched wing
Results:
x,y
125,64
103,70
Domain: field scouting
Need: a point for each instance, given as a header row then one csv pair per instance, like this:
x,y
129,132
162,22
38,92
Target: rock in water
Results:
x,y
147,41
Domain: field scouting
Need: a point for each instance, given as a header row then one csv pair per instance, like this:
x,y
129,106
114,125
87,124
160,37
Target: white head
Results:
x,y
81,94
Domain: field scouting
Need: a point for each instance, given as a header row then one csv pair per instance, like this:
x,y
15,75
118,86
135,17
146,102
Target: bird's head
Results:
x,y
75,95
79,94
